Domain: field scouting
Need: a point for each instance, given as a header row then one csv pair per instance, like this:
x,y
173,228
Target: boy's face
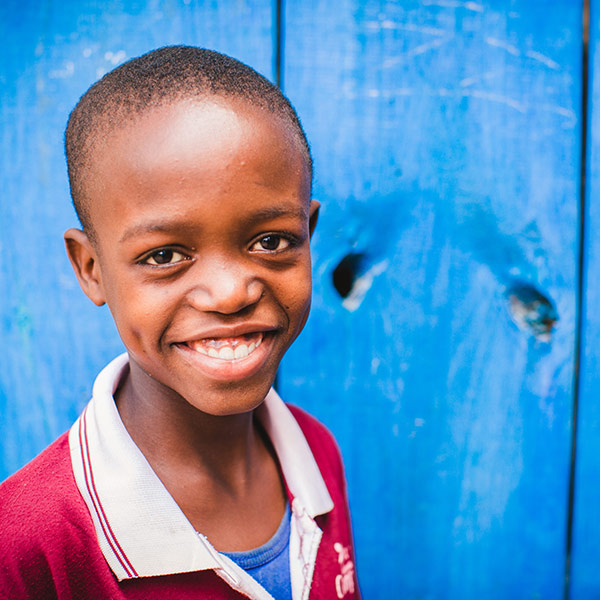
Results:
x,y
202,218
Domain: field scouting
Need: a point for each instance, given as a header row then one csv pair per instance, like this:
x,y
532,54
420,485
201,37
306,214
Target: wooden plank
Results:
x,y
446,142
585,557
54,340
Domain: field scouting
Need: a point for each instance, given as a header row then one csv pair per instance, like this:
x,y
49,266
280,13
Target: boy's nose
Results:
x,y
225,288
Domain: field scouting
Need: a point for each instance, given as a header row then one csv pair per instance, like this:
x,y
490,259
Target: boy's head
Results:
x,y
195,201
160,77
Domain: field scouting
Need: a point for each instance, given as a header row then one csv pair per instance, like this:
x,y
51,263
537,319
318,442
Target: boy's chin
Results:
x,y
228,399
211,385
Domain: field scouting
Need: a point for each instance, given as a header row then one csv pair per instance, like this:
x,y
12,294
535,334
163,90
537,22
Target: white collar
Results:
x,y
141,529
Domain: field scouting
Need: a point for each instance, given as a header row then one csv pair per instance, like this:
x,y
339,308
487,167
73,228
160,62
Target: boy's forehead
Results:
x,y
213,122
178,139
216,114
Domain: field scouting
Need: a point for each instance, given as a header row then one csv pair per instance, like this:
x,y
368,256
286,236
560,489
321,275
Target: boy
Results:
x,y
186,476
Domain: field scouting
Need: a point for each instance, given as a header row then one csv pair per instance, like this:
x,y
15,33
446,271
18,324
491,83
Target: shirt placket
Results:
x,y
305,538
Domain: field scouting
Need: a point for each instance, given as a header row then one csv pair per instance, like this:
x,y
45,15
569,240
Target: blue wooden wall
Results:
x,y
447,137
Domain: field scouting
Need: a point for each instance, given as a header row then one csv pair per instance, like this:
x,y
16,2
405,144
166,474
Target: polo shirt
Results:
x,y
89,518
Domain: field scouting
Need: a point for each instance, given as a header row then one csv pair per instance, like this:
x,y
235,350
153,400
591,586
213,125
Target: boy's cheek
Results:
x,y
303,321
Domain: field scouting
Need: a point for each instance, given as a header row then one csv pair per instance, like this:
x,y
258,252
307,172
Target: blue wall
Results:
x,y
447,138
447,142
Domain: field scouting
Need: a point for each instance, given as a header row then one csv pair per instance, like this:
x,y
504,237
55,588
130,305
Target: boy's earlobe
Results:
x,y
84,261
313,215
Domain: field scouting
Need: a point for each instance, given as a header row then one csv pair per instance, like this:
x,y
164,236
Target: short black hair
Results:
x,y
161,76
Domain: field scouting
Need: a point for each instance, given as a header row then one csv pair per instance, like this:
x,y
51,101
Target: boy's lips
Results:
x,y
229,355
228,348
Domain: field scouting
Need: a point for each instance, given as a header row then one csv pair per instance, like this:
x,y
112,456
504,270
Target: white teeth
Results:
x,y
226,353
241,351
226,348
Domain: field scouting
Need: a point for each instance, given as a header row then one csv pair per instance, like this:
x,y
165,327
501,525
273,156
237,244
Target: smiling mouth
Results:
x,y
228,348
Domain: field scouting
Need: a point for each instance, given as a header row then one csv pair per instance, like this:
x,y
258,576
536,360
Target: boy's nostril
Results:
x,y
346,272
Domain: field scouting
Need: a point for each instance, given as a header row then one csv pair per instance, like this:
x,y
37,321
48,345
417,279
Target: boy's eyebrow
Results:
x,y
272,212
264,214
150,228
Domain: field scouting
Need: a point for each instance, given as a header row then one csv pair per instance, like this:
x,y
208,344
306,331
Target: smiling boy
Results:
x,y
186,476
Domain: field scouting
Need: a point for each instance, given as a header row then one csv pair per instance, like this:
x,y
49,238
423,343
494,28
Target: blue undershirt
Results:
x,y
270,564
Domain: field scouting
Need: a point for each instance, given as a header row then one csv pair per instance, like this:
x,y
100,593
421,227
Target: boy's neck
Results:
x,y
172,434
221,470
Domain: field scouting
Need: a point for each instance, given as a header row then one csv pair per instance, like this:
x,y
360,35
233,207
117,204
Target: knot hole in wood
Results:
x,y
531,310
346,273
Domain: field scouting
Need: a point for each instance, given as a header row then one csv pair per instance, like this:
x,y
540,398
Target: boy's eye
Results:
x,y
271,243
164,257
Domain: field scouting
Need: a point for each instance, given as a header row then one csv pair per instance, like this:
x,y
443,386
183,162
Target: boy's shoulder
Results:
x,y
310,424
44,523
321,441
40,498
45,482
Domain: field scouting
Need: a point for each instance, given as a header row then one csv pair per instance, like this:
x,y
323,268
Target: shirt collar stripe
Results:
x,y
93,492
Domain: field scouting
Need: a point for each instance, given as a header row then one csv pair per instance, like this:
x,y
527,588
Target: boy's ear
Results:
x,y
84,261
313,215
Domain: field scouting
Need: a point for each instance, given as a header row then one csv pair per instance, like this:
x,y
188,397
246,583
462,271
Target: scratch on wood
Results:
x,y
362,285
551,64
377,93
416,51
115,57
496,98
66,71
474,6
388,24
467,81
422,48
496,43
375,362
487,76
563,112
